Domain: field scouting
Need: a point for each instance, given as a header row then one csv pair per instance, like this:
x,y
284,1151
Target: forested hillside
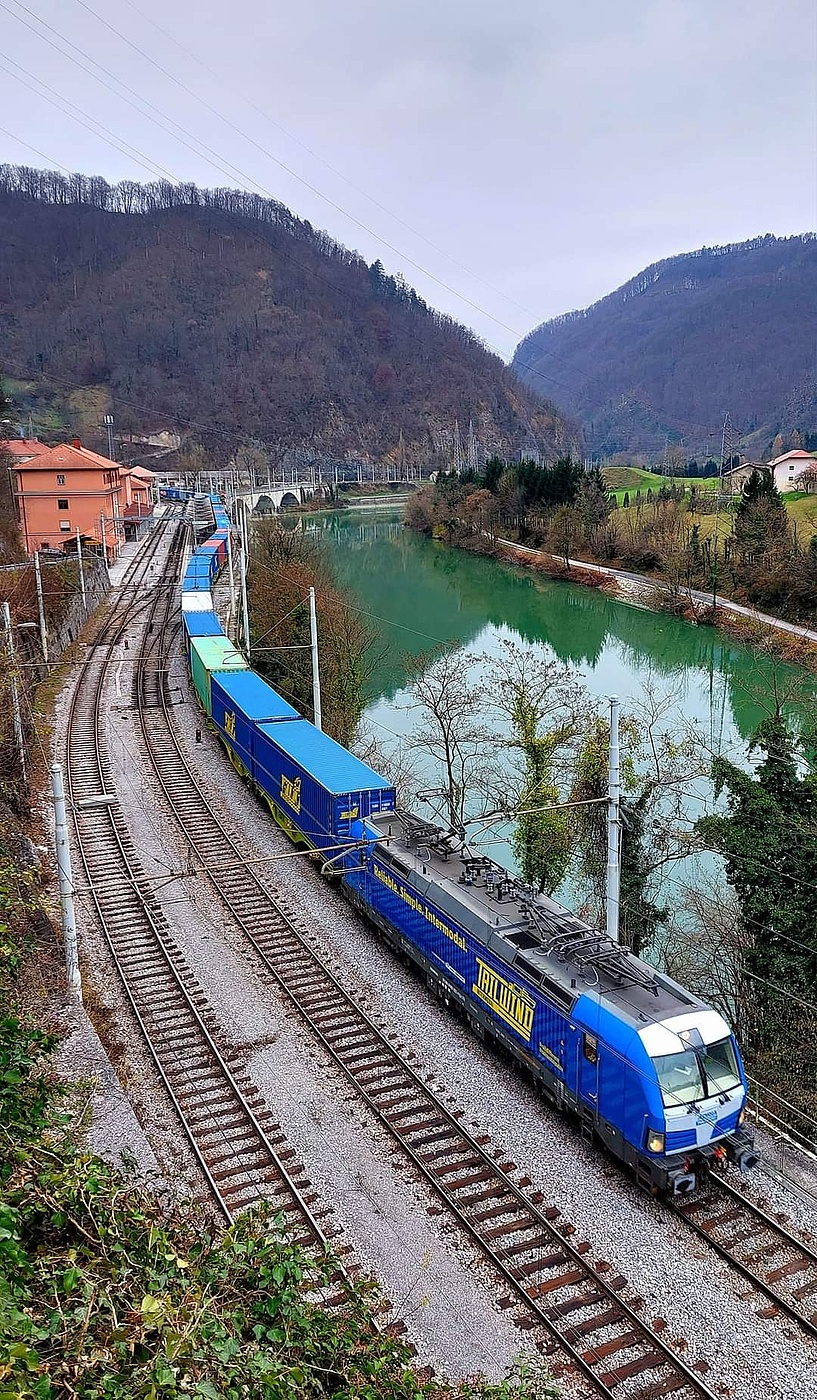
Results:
x,y
691,338
222,315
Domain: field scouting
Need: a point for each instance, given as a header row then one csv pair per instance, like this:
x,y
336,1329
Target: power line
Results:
x,y
84,119
119,89
262,112
219,161
782,991
288,169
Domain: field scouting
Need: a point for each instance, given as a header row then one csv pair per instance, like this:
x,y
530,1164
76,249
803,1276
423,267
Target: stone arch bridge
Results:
x,y
266,499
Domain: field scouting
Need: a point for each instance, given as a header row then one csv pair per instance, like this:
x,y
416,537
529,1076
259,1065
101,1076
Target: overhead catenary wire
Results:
x,y
781,991
174,78
188,873
220,164
748,860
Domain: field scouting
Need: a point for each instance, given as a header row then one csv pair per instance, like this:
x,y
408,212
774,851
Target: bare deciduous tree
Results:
x,y
452,701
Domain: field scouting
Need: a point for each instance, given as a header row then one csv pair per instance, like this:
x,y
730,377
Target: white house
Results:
x,y
787,468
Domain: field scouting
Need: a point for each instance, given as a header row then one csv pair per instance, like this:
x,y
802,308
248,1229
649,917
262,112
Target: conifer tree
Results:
x,y
768,840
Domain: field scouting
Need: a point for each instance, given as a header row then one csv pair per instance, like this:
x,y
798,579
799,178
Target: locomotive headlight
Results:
x,y
655,1141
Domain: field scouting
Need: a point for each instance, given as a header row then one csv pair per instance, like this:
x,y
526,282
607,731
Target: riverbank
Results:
x,y
790,642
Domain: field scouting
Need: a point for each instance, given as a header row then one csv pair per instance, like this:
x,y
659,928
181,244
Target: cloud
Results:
x,y
550,150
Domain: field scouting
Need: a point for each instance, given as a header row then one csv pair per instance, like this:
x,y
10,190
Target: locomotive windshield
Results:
x,y
697,1074
720,1067
680,1077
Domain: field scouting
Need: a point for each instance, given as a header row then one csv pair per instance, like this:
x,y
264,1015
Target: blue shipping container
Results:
x,y
202,624
316,786
241,699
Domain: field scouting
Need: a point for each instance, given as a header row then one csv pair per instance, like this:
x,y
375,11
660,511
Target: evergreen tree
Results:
x,y
761,522
768,840
494,468
593,499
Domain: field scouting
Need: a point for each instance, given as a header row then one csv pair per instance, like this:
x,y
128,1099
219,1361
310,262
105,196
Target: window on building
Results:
x,y
65,525
62,505
61,480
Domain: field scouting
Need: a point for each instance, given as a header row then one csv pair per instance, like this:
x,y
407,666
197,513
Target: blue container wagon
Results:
x,y
314,788
240,701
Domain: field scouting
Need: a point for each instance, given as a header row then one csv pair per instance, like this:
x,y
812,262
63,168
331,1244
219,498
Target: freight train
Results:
x,y
648,1069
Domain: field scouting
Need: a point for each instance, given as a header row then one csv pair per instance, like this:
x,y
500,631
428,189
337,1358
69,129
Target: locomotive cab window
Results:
x,y
720,1067
679,1077
590,1046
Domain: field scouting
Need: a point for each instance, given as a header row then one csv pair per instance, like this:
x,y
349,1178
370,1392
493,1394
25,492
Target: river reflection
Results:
x,y
419,592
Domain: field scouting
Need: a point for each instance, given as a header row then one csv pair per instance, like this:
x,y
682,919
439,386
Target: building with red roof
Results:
x,y
21,449
787,469
65,490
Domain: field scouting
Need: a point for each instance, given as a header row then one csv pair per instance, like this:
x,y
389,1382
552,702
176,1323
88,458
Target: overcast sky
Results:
x,y
529,156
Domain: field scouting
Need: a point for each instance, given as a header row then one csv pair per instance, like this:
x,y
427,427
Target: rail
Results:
x,y
228,1128
578,1301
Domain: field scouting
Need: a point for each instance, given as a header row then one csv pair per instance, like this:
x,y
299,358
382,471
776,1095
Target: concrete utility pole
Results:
x,y
245,612
108,421
613,825
38,580
316,676
69,926
15,690
231,575
81,575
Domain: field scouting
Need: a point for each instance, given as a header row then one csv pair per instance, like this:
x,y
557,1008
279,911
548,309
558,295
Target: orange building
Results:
x,y
65,489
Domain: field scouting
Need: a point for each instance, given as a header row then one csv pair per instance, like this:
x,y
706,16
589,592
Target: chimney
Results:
x,y
75,442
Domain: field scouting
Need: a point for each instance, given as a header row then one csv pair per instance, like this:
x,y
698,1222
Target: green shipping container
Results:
x,y
208,654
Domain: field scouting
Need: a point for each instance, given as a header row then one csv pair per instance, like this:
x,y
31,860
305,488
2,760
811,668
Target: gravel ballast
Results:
x,y
706,1304
438,1282
435,1283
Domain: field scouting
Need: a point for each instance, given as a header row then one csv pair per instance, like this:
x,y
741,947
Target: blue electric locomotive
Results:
x,y
648,1069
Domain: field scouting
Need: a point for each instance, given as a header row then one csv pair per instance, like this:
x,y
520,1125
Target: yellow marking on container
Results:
x,y
291,792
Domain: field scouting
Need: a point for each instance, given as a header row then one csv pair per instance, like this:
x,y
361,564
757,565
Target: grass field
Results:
x,y
802,510
632,479
707,524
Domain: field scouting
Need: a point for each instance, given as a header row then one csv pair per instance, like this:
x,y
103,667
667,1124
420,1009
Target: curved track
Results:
x,y
551,1279
759,1247
240,1150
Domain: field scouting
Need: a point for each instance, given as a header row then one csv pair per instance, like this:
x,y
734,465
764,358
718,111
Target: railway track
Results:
x,y
552,1279
241,1151
775,1261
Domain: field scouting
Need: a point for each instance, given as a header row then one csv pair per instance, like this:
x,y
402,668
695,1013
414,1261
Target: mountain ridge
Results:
x,y
666,354
169,305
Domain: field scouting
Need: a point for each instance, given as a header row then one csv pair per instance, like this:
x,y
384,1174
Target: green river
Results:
x,y
417,592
